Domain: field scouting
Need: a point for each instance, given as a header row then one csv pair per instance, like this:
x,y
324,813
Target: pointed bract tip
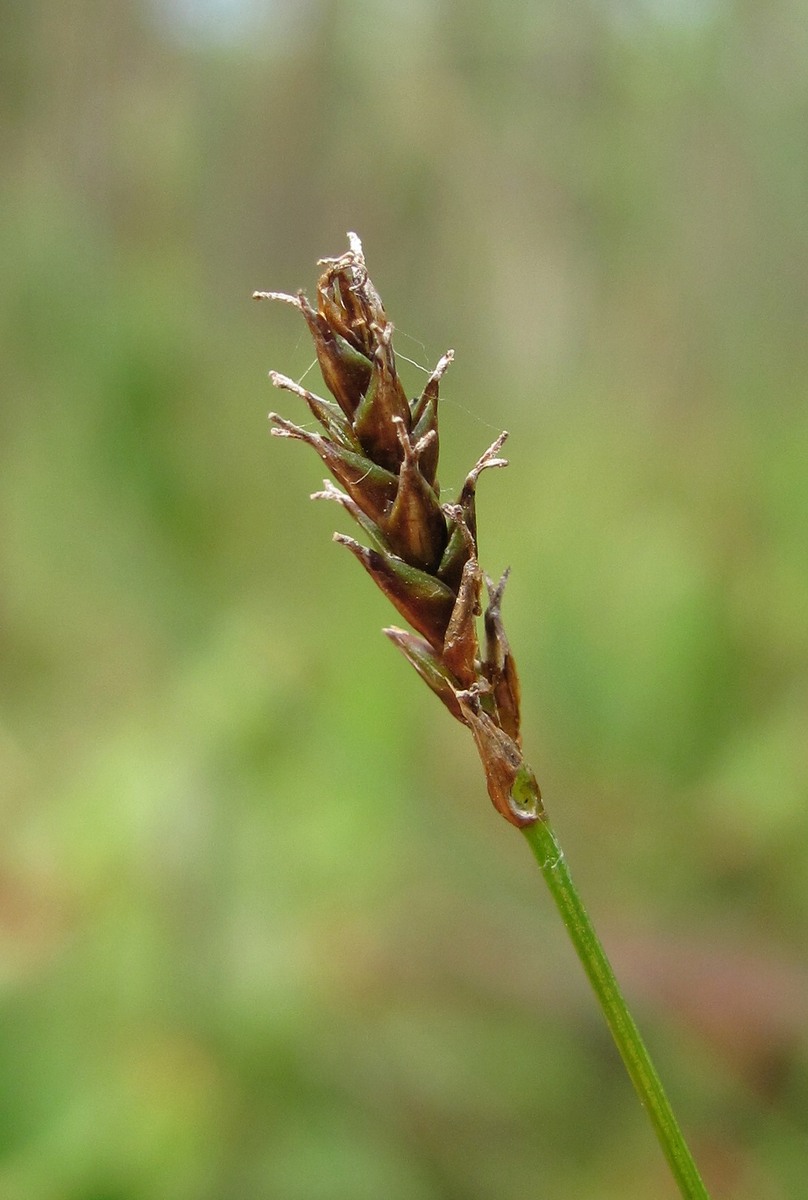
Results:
x,y
442,367
495,590
355,242
284,297
284,428
284,382
329,492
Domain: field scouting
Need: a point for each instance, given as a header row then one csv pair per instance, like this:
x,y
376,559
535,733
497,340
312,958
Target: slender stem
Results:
x,y
647,1083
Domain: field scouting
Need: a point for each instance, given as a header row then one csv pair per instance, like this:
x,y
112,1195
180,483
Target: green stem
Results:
x,y
550,857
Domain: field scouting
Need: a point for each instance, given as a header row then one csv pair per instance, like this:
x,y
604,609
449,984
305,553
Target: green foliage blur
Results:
x,y
262,936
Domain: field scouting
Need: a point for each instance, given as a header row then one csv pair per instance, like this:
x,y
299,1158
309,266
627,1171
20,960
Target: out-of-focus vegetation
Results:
x,y
261,933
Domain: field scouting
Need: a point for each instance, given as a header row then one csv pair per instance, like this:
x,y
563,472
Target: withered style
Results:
x,y
383,450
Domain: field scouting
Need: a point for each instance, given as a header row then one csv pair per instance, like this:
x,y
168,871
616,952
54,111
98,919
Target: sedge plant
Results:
x,y
382,449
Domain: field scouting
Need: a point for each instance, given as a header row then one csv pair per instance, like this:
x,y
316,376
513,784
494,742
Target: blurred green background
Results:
x,y
261,933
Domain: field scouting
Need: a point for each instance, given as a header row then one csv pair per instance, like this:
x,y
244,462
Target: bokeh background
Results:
x,y
261,933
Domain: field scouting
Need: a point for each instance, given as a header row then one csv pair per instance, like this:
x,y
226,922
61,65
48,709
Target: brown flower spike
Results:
x,y
383,449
